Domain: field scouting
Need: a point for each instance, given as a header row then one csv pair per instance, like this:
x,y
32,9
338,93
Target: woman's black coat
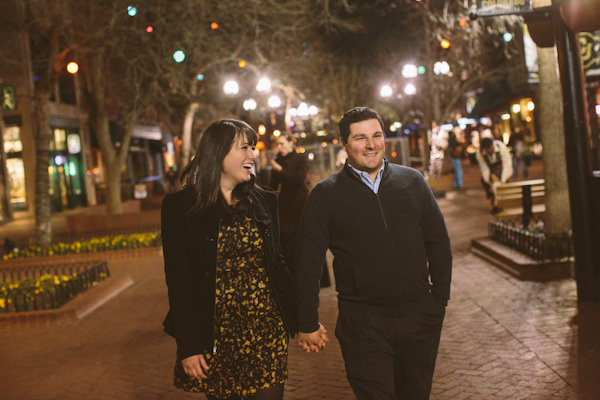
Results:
x,y
190,251
294,192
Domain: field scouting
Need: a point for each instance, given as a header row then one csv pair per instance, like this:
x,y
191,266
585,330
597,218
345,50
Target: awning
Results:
x,y
495,97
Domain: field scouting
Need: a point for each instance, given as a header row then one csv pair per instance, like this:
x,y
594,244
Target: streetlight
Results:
x,y
72,67
410,71
178,56
441,68
263,85
249,104
231,87
313,110
302,110
385,91
410,89
274,101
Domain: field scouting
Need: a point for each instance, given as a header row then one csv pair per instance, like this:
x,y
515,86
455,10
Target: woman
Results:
x,y
289,174
230,293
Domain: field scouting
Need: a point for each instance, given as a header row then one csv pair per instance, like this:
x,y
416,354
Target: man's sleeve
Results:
x,y
437,243
485,170
311,245
507,168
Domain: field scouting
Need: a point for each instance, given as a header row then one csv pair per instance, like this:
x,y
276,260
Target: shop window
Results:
x,y
60,140
14,165
16,181
12,140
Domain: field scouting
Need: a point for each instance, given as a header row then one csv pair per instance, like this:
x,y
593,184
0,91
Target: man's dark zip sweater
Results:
x,y
391,249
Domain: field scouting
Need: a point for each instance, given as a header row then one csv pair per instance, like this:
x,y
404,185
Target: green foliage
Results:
x,y
46,292
105,243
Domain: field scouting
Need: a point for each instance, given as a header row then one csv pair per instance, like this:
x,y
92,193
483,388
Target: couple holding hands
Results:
x,y
233,303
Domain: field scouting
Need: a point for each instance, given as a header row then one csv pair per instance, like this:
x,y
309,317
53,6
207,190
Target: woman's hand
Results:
x,y
313,341
195,366
276,166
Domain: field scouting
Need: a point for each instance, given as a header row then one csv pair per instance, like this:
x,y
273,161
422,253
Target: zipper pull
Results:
x,y
214,350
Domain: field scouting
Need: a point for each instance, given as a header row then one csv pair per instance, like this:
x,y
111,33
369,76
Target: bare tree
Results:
x,y
45,30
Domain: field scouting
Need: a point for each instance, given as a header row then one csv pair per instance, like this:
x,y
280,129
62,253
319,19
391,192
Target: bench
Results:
x,y
523,198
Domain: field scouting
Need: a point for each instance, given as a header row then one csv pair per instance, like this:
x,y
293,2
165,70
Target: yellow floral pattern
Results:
x,y
250,338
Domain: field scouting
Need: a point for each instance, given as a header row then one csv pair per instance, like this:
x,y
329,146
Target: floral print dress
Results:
x,y
250,338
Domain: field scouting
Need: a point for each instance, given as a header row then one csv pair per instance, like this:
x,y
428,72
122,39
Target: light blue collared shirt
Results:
x,y
364,176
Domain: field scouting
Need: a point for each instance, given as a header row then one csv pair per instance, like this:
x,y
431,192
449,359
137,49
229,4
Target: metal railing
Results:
x,y
19,291
538,245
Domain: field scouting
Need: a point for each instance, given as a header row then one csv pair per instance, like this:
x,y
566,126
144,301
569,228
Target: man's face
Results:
x,y
365,146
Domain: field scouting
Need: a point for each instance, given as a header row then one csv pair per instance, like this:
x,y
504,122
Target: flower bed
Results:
x,y
118,242
43,290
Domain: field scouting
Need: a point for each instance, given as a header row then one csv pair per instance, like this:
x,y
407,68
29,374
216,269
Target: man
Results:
x,y
388,239
456,147
495,164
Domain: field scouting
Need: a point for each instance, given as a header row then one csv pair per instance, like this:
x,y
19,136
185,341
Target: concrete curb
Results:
x,y
78,308
520,265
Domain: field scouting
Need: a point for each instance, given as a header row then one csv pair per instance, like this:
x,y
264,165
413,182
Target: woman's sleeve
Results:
x,y
179,283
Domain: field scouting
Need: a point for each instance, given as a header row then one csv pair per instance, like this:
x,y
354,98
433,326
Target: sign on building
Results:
x,y
9,101
503,7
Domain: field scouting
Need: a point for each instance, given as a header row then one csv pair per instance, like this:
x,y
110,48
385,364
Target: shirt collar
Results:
x,y
365,175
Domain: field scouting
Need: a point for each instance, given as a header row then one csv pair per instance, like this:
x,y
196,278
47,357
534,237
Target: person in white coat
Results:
x,y
496,167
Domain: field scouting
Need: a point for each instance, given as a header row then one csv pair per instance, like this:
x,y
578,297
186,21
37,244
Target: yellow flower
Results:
x,y
2,302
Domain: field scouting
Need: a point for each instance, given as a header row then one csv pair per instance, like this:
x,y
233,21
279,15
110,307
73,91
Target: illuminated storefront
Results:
x,y
13,148
67,179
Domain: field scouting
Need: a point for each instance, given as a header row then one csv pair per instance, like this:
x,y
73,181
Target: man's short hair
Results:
x,y
357,114
486,143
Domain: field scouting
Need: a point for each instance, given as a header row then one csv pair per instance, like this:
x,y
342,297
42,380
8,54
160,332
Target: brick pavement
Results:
x,y
502,338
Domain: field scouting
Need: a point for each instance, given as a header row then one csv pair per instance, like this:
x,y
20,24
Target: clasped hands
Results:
x,y
313,341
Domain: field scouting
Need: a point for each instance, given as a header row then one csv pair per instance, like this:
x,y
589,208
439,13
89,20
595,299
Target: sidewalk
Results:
x,y
502,338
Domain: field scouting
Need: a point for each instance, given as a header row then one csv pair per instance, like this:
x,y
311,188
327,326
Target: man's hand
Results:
x,y
195,366
313,341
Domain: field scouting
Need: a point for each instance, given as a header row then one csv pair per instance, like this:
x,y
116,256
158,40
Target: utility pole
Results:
x,y
583,181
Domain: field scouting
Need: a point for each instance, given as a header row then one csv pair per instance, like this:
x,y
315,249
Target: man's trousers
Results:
x,y
391,357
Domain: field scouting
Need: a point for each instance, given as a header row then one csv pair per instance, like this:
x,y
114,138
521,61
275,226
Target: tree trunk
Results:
x,y
186,142
5,204
100,121
558,215
114,205
43,225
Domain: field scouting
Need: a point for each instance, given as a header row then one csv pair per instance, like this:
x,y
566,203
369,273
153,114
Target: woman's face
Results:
x,y
238,163
285,146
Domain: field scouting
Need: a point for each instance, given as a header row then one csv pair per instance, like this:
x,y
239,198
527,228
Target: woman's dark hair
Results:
x,y
288,136
203,173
